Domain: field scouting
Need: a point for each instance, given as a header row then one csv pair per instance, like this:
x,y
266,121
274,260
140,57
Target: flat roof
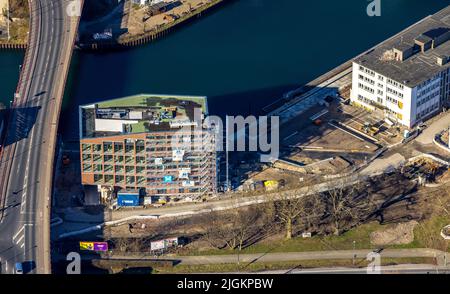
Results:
x,y
420,66
141,113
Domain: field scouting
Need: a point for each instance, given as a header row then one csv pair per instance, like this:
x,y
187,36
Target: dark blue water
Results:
x,y
242,56
9,74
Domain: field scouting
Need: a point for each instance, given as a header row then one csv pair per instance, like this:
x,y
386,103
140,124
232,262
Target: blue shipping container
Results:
x,y
128,199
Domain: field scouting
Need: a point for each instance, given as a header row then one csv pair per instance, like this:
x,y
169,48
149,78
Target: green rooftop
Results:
x,y
138,114
149,100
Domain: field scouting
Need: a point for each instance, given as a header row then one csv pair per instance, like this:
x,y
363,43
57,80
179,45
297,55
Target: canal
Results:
x,y
242,56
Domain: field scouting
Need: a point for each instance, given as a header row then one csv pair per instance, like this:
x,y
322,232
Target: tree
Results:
x,y
231,229
339,202
289,206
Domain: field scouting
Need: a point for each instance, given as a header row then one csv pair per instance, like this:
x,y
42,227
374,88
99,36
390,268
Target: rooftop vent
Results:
x,y
403,51
424,42
442,60
438,35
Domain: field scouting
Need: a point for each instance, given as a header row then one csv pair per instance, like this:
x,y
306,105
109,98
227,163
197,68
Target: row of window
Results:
x,y
428,89
117,159
367,71
366,88
428,110
394,92
179,190
395,84
116,147
427,82
366,79
119,180
112,168
364,99
427,98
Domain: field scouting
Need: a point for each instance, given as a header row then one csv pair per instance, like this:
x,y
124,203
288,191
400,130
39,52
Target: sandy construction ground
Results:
x,y
3,5
137,26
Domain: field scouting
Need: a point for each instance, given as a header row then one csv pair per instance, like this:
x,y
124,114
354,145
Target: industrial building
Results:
x,y
407,77
154,144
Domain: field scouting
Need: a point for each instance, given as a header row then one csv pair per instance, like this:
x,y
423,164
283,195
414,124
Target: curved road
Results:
x,y
26,166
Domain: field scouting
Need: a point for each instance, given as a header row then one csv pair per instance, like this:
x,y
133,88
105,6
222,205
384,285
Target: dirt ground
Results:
x,y
136,25
401,213
68,187
19,25
398,234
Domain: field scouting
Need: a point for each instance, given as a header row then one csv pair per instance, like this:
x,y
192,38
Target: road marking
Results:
x,y
21,229
291,135
20,237
25,184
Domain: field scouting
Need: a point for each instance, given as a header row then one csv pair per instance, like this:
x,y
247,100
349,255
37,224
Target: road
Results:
x,y
417,269
27,159
301,256
442,265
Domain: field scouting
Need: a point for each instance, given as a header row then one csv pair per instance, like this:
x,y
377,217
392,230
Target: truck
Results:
x,y
18,268
128,199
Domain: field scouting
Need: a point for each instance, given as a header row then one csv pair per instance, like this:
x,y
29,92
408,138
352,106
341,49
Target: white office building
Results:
x,y
407,77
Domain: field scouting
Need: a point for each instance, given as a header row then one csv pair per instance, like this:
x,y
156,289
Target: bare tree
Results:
x,y
232,228
313,212
289,206
339,205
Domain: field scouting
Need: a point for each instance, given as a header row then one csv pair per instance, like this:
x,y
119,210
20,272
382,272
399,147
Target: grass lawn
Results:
x,y
360,234
427,234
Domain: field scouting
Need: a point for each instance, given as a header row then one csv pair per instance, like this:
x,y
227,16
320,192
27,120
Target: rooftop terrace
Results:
x,y
139,114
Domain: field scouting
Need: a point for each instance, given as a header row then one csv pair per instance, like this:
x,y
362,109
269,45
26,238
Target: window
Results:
x,y
130,180
86,147
87,157
98,168
119,179
108,158
108,168
129,147
118,147
119,169
98,178
107,147
98,148
87,168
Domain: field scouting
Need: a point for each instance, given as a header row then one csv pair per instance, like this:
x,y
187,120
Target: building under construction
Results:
x,y
152,143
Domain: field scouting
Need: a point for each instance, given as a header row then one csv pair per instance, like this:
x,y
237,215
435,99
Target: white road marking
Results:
x,y
291,135
21,229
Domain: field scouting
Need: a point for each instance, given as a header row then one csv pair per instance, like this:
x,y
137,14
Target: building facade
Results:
x,y
407,77
150,143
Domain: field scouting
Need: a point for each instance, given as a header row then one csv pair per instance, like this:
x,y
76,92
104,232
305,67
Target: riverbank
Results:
x,y
14,24
131,19
141,25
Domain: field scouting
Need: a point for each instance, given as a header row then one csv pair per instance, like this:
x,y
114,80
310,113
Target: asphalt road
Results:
x,y
27,158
